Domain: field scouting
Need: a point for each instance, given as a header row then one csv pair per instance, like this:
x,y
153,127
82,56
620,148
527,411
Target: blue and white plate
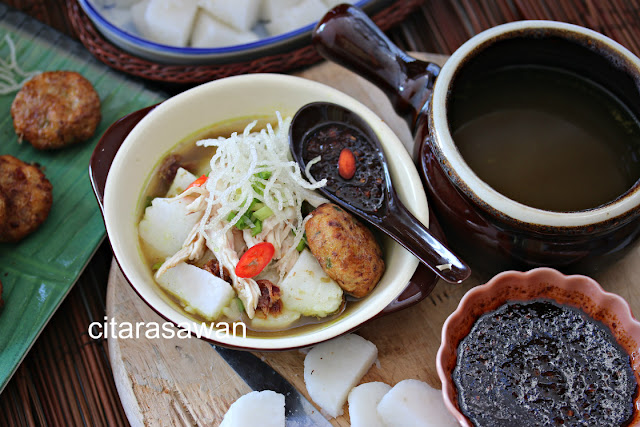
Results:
x,y
117,26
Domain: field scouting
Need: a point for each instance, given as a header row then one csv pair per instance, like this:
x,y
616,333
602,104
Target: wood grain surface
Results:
x,y
184,382
75,385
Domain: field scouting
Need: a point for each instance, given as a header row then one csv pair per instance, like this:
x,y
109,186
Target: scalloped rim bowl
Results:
x,y
226,99
578,291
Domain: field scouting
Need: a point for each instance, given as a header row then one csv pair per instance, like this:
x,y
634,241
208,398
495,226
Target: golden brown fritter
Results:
x,y
55,109
26,198
3,208
346,249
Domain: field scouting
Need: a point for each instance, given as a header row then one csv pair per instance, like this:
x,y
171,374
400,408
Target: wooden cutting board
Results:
x,y
177,382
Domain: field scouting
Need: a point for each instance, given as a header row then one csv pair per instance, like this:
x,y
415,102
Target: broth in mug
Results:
x,y
546,138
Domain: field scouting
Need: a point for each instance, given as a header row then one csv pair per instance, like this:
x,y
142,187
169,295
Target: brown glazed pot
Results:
x,y
491,231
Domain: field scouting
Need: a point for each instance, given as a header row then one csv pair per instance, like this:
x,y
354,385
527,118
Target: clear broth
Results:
x,y
546,138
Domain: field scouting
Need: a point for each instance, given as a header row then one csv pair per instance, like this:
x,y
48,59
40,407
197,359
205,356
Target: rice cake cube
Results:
x,y
138,12
198,290
170,22
333,3
210,32
257,408
165,225
274,9
363,401
413,403
282,321
239,14
307,288
304,13
181,181
118,16
333,368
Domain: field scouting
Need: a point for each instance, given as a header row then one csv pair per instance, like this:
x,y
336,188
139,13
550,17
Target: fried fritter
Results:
x,y
3,209
55,109
25,198
345,248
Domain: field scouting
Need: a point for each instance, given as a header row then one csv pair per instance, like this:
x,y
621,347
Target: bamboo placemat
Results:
x,y
66,378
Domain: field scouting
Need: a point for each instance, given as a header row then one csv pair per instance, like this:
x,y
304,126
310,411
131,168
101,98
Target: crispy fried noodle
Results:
x,y
12,77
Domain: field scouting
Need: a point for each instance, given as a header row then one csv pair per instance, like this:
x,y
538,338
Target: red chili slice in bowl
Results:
x,y
198,182
255,260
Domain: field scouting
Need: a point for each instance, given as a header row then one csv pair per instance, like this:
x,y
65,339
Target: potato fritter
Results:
x,y
25,198
55,109
345,248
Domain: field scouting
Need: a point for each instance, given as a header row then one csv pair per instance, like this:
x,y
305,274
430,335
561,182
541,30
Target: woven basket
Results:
x,y
193,74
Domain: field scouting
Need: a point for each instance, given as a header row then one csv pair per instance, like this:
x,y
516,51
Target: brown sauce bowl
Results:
x,y
576,291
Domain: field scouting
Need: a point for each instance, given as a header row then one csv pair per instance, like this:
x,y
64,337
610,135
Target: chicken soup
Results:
x,y
224,231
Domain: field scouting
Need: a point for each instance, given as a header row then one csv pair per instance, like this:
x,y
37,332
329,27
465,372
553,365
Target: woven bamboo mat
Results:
x,y
66,378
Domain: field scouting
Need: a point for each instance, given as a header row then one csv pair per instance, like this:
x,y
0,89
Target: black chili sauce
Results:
x,y
365,190
539,363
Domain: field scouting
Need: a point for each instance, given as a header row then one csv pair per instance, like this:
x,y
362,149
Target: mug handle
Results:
x,y
107,148
346,36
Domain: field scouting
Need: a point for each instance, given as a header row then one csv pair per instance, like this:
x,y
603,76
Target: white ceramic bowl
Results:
x,y
119,29
240,96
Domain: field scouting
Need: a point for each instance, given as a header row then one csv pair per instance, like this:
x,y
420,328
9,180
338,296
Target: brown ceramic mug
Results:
x,y
487,228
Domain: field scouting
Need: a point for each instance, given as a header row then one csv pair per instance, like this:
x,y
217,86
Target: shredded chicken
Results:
x,y
247,289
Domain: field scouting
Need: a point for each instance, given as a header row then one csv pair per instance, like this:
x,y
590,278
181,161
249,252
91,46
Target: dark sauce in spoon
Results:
x,y
366,189
538,363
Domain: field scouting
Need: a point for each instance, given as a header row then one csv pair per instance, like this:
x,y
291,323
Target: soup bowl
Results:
x,y
133,147
576,291
490,230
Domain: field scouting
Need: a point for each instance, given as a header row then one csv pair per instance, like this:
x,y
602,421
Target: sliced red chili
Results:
x,y
198,182
253,261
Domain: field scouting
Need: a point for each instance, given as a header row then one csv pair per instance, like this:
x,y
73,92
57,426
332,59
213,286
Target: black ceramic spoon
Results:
x,y
325,129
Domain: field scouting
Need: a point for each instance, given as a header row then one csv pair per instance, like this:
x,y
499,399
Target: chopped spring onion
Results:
x,y
262,213
264,175
258,187
259,212
244,222
303,243
257,228
256,206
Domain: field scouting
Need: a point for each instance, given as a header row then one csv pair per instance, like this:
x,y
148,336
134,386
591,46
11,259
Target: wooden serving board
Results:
x,y
177,382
